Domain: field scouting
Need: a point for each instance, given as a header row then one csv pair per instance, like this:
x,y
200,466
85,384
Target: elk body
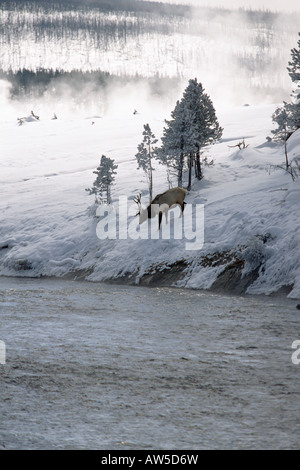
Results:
x,y
161,204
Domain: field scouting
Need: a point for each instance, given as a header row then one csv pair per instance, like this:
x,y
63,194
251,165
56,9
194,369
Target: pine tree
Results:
x,y
105,172
204,128
287,117
193,126
145,155
175,142
294,64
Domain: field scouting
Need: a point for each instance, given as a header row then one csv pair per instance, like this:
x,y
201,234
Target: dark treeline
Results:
x,y
103,5
27,82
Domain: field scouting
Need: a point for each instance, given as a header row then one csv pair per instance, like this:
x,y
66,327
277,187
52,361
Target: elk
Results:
x,y
161,204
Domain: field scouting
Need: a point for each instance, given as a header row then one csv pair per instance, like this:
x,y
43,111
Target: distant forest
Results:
x,y
252,16
102,41
37,83
136,6
103,5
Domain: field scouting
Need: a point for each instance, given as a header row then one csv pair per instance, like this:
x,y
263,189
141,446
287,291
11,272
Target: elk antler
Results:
x,y
137,200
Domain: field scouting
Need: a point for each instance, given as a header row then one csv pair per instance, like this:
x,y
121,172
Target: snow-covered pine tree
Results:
x,y
105,172
287,117
193,126
204,128
145,155
175,143
294,64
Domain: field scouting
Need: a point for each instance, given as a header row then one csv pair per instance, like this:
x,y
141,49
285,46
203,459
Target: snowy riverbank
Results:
x,y
251,209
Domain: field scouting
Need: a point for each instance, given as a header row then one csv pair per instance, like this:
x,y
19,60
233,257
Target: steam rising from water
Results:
x,y
238,57
273,5
120,100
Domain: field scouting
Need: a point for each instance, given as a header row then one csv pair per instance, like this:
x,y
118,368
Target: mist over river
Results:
x,y
100,366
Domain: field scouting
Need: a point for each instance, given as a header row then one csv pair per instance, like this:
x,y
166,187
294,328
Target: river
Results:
x,y
100,366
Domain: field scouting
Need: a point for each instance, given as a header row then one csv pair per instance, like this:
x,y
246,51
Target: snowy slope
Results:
x,y
48,228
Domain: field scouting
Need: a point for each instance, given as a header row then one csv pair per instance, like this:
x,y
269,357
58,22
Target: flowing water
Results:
x,y
99,366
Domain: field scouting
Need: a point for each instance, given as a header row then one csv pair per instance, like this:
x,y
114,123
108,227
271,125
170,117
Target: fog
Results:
x,y
240,58
272,5
120,101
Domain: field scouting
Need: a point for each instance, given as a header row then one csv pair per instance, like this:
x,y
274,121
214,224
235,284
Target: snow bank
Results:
x,y
48,223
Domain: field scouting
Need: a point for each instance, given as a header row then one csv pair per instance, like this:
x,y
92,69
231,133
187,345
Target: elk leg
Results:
x,y
182,208
166,216
159,219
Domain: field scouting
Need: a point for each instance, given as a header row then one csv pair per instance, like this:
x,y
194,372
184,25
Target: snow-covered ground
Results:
x,y
47,226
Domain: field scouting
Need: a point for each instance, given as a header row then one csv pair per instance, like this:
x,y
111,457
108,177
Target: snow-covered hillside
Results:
x,y
251,209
